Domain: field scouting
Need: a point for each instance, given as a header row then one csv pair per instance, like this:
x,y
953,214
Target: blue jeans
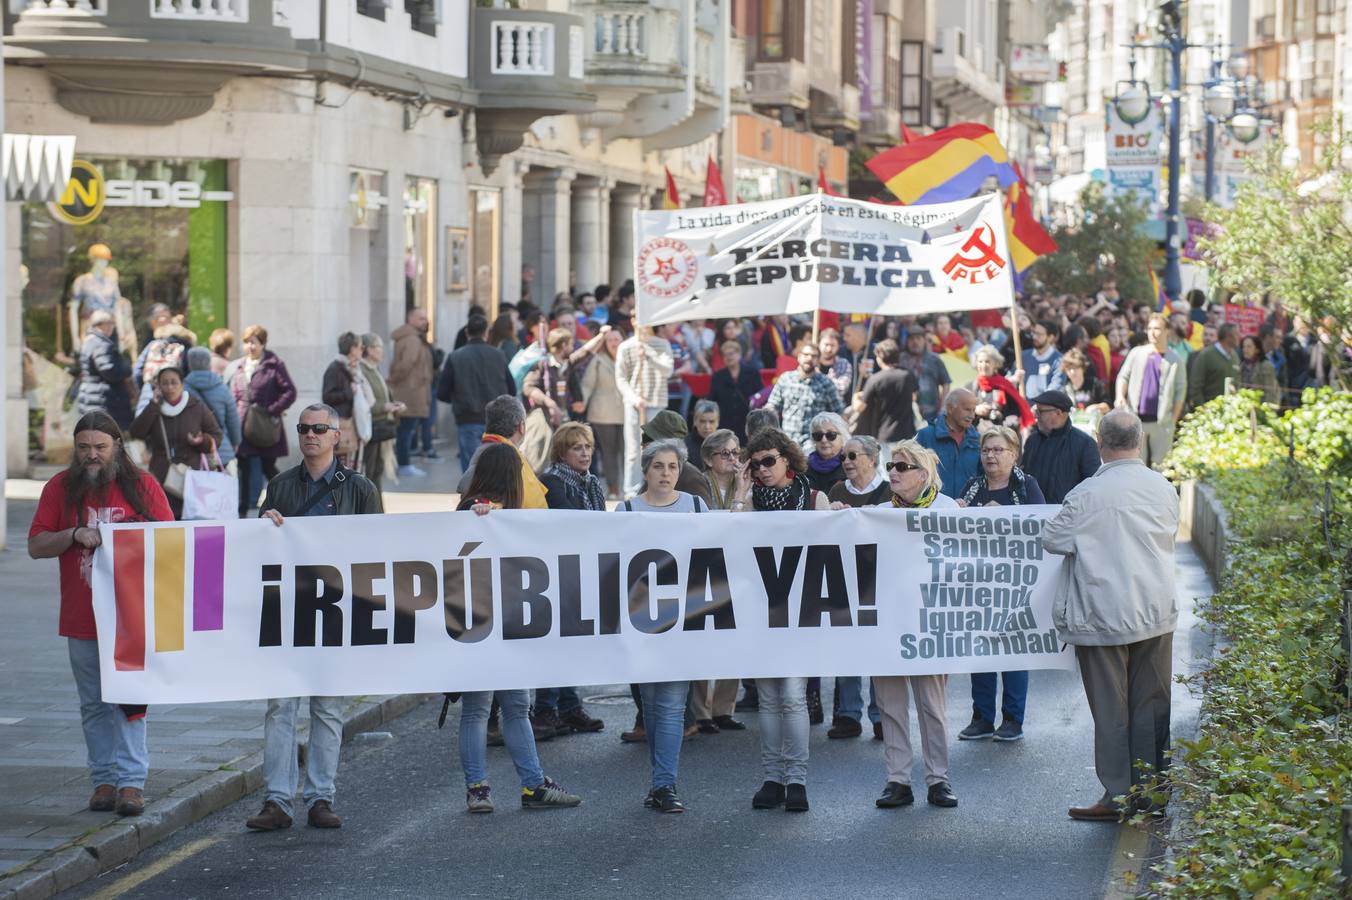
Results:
x,y
784,729
560,699
516,734
1011,704
403,439
468,437
664,721
425,430
281,768
851,703
116,747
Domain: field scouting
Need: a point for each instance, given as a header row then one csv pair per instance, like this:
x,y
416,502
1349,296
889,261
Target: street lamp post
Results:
x,y
1173,274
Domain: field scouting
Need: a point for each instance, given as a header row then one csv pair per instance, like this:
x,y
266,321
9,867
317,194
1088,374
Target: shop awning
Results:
x,y
37,166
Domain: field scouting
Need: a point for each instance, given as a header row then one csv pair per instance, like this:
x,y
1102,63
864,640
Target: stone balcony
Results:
x,y
839,110
882,128
959,80
525,65
780,84
148,61
632,50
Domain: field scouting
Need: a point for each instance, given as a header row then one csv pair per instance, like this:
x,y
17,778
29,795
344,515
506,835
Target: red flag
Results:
x,y
823,185
714,195
671,198
907,135
1027,238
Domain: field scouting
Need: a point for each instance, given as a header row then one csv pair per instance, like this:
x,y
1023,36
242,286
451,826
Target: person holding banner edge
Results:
x,y
913,475
496,484
102,484
663,702
775,479
316,487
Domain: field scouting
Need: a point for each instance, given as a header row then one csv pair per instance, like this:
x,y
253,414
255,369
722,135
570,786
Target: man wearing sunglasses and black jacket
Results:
x,y
316,487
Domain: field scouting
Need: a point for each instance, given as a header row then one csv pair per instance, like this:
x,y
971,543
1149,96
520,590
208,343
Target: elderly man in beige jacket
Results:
x,y
1116,604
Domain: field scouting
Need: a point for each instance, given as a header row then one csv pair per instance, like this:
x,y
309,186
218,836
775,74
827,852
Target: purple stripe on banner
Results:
x,y
208,578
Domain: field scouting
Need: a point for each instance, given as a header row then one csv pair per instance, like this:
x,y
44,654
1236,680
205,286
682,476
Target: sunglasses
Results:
x,y
764,462
855,454
302,428
901,467
825,435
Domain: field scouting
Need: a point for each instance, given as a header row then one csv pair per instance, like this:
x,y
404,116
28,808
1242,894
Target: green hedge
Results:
x,y
1262,786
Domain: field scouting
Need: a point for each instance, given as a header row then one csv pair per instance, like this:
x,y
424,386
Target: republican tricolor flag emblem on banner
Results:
x,y
173,552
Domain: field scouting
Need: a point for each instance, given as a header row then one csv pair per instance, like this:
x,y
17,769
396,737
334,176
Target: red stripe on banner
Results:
x,y
129,591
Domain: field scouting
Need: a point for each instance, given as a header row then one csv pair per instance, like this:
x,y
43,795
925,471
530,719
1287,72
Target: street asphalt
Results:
x,y
407,833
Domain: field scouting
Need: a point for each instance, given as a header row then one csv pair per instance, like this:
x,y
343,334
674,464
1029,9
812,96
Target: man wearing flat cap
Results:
x,y
669,426
1058,454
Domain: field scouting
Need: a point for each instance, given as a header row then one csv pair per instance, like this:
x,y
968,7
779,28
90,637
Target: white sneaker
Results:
x,y
411,471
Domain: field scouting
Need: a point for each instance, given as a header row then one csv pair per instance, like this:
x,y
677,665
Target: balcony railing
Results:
x,y
201,10
705,69
523,48
622,33
91,7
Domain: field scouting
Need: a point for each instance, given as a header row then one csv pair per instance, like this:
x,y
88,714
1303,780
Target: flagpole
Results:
x,y
1013,292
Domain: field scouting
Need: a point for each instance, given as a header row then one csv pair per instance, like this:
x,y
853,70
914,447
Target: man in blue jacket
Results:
x,y
1058,454
953,437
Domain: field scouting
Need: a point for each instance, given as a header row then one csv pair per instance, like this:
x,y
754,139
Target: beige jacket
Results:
x,y
1173,380
1117,530
411,373
605,406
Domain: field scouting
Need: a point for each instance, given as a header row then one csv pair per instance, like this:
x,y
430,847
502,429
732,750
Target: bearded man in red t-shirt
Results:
x,y
101,485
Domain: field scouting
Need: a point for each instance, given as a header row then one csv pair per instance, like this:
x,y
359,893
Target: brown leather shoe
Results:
x,y
323,816
270,818
637,736
104,798
130,802
1099,812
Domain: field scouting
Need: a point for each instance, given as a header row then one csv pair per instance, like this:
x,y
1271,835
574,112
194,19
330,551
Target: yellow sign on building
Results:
x,y
82,200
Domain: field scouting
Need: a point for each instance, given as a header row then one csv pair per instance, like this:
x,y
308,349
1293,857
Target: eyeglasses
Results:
x,y
902,467
993,451
825,435
764,462
302,428
725,454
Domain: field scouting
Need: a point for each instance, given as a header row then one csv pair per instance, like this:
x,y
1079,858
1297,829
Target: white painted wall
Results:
x,y
394,38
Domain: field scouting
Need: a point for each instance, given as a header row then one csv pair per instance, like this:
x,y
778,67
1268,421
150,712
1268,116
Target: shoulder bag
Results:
x,y
261,428
176,478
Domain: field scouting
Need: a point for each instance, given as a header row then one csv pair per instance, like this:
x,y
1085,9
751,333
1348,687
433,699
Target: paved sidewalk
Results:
x,y
202,756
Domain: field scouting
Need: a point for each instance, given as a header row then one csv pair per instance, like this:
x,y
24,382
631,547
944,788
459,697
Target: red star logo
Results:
x,y
665,270
957,226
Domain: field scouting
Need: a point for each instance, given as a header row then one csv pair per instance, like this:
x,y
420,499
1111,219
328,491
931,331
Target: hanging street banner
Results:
x,y
348,606
814,251
1133,156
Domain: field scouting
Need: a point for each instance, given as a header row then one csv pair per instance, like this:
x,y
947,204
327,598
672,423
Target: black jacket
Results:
x,y
1060,460
733,398
472,376
103,378
353,494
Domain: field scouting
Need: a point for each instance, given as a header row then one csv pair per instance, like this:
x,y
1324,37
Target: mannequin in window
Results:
x,y
99,289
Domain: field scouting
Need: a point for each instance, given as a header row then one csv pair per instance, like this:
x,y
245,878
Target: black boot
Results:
x,y
815,715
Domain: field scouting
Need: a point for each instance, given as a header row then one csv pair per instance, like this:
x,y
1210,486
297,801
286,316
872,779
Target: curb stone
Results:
x,y
121,841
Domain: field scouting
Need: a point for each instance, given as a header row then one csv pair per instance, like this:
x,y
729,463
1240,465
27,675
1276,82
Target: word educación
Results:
x,y
652,589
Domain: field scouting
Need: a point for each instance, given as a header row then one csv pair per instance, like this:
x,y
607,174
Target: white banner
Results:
x,y
816,251
1133,155
196,612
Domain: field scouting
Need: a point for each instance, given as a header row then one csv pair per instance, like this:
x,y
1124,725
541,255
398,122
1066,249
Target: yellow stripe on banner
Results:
x,y
170,548
921,176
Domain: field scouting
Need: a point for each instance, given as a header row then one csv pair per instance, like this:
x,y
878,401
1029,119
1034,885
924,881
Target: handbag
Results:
x,y
383,429
348,439
261,428
210,494
175,479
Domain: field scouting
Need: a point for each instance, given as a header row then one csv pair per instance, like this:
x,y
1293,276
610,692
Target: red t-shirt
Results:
x,y
76,564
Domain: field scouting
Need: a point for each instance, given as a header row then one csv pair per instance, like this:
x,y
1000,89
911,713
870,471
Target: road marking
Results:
x,y
1126,866
159,867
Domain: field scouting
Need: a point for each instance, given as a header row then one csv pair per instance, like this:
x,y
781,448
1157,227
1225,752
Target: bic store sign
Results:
x,y
87,193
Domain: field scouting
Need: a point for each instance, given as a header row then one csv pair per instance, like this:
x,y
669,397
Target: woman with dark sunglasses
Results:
x,y
864,485
774,480
913,475
829,434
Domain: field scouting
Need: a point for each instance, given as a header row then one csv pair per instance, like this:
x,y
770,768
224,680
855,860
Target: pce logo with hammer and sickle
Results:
x,y
978,261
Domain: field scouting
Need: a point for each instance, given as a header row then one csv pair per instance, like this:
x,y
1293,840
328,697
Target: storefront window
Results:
x,y
125,235
484,248
420,247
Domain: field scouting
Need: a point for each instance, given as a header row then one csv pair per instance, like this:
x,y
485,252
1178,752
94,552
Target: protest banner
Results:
x,y
1248,319
196,612
801,254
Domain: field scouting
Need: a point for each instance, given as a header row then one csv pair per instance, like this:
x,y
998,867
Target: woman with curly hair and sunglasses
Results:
x,y
774,480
